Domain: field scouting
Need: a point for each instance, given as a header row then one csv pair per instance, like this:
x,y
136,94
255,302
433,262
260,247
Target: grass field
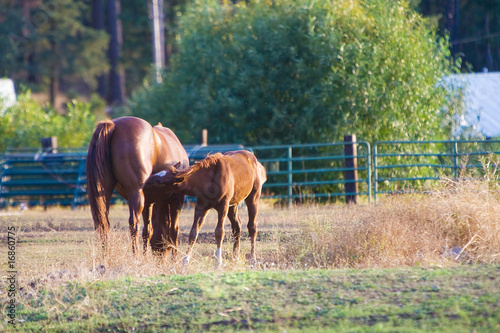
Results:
x,y
412,263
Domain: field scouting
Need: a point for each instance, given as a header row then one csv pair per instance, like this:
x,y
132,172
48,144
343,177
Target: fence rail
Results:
x,y
42,179
310,171
296,173
405,166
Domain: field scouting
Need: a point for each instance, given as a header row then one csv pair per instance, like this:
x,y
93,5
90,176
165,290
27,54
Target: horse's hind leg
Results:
x,y
236,227
252,204
103,227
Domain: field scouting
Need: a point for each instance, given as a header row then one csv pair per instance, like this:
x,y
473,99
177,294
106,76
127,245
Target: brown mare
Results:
x,y
221,182
122,154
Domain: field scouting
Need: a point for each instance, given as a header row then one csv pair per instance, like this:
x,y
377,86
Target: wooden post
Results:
x,y
204,138
351,173
49,145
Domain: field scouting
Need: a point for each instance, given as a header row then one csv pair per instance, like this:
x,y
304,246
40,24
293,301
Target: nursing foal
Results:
x,y
220,181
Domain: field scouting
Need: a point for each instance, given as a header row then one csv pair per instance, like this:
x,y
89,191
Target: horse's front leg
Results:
x,y
136,205
199,217
147,230
176,202
222,210
159,220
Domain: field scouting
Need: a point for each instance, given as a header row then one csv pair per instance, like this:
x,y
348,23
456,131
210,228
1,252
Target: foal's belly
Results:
x,y
239,197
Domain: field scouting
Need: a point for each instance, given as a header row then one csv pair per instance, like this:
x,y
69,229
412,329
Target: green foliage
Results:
x,y
26,123
303,71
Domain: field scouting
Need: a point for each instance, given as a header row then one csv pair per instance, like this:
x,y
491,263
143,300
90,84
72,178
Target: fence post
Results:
x,y
369,171
375,173
49,145
204,137
290,180
455,158
351,173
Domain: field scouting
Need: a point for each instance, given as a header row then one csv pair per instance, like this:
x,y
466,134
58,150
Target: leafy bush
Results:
x,y
303,71
26,123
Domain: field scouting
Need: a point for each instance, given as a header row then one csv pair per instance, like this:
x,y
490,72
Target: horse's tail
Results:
x,y
99,174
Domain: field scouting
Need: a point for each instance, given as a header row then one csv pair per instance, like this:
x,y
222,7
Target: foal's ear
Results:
x,y
178,180
177,165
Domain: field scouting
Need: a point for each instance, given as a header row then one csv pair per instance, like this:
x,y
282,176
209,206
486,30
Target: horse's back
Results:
x,y
137,150
170,149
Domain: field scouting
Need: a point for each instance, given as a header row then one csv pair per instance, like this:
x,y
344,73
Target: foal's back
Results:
x,y
237,173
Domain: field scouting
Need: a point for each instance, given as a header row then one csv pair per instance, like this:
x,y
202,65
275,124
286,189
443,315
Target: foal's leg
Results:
x,y
236,226
252,202
136,205
222,209
199,217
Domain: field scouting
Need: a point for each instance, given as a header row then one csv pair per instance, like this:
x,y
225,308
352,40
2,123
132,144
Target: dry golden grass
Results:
x,y
457,223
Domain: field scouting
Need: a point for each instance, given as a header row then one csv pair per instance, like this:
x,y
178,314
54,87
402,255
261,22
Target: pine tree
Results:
x,y
116,76
53,44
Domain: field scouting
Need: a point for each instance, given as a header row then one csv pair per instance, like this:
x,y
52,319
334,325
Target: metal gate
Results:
x,y
308,172
407,166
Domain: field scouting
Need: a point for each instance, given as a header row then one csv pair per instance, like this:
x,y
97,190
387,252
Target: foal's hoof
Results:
x,y
253,262
218,258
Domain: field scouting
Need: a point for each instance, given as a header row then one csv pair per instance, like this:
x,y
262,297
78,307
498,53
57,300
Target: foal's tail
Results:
x,y
99,174
262,173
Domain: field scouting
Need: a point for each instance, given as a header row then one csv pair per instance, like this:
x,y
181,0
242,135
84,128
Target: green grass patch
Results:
x,y
458,299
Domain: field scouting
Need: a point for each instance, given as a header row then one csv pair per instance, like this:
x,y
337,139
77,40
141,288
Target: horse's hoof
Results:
x,y
185,261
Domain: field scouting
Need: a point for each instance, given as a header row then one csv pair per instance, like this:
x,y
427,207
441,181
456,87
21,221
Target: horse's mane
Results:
x,y
205,163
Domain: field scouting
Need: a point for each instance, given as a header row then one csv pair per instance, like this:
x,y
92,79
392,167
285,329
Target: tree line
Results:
x,y
105,46
263,69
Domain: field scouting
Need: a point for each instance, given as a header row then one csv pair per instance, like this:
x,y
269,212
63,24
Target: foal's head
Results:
x,y
164,181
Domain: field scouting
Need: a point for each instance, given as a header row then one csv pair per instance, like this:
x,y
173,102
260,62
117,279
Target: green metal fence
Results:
x,y
38,177
296,173
307,172
42,179
406,166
